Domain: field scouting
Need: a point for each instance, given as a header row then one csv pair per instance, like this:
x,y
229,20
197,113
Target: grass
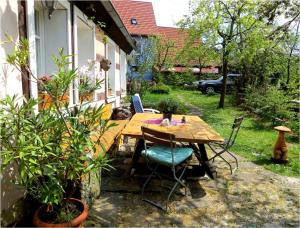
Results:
x,y
256,138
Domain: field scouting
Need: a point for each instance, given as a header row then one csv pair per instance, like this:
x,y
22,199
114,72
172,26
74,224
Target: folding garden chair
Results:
x,y
165,153
138,107
220,148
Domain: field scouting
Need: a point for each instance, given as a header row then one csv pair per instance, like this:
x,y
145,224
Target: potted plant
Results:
x,y
45,99
53,148
88,83
168,107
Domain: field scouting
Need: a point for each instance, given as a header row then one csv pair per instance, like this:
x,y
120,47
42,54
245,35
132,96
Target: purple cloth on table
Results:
x,y
159,120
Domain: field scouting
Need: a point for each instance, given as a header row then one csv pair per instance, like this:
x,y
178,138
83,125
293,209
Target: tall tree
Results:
x,y
244,31
221,22
198,52
163,55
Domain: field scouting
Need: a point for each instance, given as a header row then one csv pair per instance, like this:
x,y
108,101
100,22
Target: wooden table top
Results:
x,y
195,130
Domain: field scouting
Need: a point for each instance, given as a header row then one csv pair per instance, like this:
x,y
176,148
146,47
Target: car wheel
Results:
x,y
210,90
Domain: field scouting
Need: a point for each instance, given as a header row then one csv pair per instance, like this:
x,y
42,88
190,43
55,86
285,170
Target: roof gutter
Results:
x,y
115,16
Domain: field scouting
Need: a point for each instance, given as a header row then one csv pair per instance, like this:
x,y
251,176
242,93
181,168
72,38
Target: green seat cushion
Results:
x,y
163,155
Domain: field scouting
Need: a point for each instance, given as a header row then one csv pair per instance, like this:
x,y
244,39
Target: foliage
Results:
x,y
53,148
247,36
210,76
142,60
270,103
163,57
179,79
168,106
160,88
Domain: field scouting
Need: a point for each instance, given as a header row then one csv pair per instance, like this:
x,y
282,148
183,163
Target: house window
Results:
x,y
112,71
38,50
123,67
49,35
134,21
85,59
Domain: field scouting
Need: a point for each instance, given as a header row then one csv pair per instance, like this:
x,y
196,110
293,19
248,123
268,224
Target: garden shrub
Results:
x,y
160,88
179,79
209,76
270,103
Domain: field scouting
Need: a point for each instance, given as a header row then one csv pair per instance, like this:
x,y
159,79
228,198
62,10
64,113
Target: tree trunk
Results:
x,y
224,73
290,55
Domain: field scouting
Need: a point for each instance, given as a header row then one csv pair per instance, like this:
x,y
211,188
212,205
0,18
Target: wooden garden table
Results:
x,y
194,131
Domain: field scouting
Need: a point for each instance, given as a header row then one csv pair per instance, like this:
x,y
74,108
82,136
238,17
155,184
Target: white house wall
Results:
x,y
10,84
10,78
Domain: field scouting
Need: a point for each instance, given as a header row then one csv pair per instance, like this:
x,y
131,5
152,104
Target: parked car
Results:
x,y
213,86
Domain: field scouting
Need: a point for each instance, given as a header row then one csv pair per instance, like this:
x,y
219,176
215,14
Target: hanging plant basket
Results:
x,y
105,64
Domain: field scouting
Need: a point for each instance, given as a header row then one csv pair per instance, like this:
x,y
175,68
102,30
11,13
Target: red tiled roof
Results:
x,y
177,35
141,11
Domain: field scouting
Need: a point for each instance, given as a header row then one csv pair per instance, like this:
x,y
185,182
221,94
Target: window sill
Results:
x,y
110,98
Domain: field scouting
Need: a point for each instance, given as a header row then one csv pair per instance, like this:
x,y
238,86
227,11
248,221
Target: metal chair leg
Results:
x,y
220,155
236,161
227,163
148,179
178,181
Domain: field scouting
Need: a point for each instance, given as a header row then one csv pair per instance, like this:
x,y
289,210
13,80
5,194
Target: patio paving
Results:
x,y
252,197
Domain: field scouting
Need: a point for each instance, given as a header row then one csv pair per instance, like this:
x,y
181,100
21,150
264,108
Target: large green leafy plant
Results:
x,y
53,148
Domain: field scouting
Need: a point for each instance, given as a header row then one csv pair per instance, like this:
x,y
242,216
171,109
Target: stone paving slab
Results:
x,y
252,197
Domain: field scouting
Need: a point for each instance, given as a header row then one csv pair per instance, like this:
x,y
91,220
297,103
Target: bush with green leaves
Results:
x,y
160,88
179,79
54,147
270,103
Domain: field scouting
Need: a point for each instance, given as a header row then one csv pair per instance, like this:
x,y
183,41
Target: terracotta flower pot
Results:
x,y
76,222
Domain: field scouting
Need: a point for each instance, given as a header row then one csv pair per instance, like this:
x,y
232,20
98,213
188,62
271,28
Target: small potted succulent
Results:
x,y
168,107
54,148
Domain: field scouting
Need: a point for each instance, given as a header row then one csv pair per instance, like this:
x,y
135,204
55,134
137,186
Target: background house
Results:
x,y
139,19
73,26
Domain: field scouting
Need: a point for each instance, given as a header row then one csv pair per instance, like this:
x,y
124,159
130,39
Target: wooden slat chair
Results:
x,y
220,148
164,153
138,106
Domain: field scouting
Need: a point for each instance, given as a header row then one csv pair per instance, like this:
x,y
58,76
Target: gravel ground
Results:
x,y
251,197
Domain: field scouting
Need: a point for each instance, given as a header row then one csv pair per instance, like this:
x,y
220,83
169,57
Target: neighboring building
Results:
x,y
139,20
179,37
67,27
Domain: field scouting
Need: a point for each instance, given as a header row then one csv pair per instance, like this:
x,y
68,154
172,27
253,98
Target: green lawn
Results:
x,y
256,138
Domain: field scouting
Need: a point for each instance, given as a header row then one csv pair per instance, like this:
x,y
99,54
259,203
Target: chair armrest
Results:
x,y
151,110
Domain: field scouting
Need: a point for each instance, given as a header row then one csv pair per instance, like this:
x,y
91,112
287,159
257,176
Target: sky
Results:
x,y
168,12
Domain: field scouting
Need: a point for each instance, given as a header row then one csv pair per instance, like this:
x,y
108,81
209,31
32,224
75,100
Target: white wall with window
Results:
x,y
85,55
46,35
111,73
123,71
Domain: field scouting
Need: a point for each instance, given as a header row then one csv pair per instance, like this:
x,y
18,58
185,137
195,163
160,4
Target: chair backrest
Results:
x,y
235,130
158,137
137,103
